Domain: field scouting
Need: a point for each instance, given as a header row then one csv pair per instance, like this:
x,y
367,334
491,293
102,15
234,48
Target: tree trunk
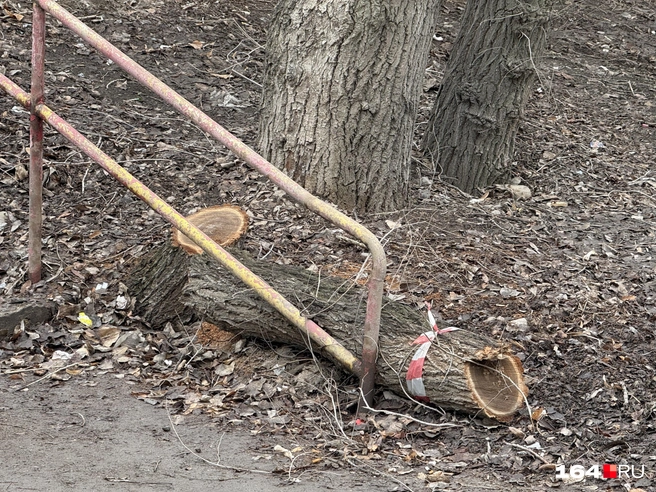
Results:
x,y
488,78
462,370
341,89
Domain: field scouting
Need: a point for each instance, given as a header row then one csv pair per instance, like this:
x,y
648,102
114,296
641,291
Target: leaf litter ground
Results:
x,y
567,276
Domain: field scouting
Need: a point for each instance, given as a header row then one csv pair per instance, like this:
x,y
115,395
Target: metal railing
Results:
x,y
39,113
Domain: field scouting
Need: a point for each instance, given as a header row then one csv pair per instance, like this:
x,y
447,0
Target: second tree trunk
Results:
x,y
487,81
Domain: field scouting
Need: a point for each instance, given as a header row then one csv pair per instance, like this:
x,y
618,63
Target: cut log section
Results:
x,y
225,224
462,370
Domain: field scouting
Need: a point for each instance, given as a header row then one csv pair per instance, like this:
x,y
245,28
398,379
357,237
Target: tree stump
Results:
x,y
462,370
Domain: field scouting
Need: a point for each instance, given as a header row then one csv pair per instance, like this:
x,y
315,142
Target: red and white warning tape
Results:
x,y
413,379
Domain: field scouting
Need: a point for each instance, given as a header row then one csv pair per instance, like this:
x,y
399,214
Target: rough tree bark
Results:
x,y
487,81
463,370
341,89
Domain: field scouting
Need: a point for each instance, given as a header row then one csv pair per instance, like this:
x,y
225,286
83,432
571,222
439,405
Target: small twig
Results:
x,y
530,54
403,415
59,272
218,449
84,421
18,371
529,450
292,468
336,412
246,78
250,38
268,252
127,480
391,477
217,464
350,240
316,292
46,376
85,177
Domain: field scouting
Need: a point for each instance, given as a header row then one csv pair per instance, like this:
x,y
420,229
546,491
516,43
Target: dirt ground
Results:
x,y
92,435
568,277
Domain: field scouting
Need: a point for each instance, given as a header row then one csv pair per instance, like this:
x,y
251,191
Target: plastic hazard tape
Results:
x,y
413,379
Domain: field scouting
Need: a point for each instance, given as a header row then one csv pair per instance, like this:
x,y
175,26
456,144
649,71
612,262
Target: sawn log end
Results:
x,y
225,224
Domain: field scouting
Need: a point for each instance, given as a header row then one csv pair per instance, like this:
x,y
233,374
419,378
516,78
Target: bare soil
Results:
x,y
90,434
568,277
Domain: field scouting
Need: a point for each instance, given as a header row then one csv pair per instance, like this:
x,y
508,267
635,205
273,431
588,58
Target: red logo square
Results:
x,y
610,471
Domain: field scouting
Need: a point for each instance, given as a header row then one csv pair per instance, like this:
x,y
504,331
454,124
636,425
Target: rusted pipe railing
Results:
x,y
335,350
375,284
36,146
148,80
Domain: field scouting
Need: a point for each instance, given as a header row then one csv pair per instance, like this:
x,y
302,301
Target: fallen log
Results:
x,y
462,370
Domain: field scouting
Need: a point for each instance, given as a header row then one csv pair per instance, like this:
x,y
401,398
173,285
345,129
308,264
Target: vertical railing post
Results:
x,y
36,144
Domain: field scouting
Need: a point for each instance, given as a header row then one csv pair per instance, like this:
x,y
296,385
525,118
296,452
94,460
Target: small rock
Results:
x,y
33,313
280,419
595,145
519,324
517,432
224,369
121,302
506,292
279,449
102,288
438,476
437,485
20,172
520,192
130,339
